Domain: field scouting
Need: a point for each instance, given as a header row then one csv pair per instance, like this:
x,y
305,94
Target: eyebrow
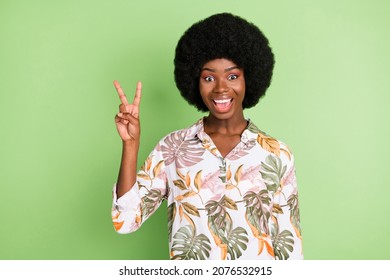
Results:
x,y
226,70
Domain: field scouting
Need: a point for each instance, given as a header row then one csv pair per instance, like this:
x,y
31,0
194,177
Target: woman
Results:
x,y
231,188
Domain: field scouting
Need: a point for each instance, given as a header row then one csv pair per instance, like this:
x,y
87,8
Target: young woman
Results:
x,y
231,188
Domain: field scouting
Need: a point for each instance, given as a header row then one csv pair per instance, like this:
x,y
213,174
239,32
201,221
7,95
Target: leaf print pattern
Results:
x,y
151,201
289,177
253,128
236,239
251,173
230,240
148,174
292,202
184,184
171,218
184,153
257,216
258,211
218,206
117,225
230,184
268,143
189,245
283,243
272,170
212,183
239,153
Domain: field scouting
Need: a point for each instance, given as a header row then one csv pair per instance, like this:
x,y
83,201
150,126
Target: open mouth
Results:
x,y
223,104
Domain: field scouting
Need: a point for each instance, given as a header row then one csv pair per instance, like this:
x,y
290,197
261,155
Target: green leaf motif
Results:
x,y
171,218
217,211
189,245
292,202
220,224
258,210
272,171
236,239
151,201
283,244
253,128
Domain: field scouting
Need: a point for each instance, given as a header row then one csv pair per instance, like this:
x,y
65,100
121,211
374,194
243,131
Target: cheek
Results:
x,y
203,90
243,88
203,96
240,89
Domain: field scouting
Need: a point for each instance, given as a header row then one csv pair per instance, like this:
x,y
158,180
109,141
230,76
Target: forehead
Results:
x,y
219,64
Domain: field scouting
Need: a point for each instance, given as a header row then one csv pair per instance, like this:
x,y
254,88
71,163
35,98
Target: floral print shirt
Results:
x,y
243,206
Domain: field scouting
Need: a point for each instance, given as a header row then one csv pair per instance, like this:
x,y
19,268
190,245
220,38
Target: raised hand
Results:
x,y
127,120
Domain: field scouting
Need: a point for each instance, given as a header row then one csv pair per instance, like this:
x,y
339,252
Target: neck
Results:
x,y
229,126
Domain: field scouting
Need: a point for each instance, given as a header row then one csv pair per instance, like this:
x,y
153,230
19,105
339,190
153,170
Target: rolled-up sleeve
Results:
x,y
130,210
126,210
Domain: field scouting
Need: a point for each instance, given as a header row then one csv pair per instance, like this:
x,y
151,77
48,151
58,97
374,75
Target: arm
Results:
x,y
287,229
142,200
128,126
136,196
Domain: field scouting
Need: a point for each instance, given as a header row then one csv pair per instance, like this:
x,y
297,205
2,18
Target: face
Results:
x,y
222,87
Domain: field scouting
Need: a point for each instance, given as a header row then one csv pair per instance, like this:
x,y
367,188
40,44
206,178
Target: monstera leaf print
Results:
x,y
283,244
257,210
184,153
231,240
272,171
189,245
151,201
236,239
292,202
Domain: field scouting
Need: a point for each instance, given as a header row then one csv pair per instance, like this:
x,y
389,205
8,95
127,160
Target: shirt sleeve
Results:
x,y
133,208
286,228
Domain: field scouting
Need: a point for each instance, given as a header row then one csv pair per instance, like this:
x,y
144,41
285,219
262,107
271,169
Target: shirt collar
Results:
x,y
196,131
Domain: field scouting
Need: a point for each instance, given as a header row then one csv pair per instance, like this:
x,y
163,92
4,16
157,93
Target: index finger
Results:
x,y
137,97
121,94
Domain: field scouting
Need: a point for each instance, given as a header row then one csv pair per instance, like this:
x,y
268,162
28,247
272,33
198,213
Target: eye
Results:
x,y
232,77
209,78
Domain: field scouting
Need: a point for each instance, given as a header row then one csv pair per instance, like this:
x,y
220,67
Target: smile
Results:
x,y
222,104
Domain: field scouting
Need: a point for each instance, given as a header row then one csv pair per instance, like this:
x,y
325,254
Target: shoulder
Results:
x,y
271,144
185,134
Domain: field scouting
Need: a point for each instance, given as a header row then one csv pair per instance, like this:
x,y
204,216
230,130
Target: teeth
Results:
x,y
222,100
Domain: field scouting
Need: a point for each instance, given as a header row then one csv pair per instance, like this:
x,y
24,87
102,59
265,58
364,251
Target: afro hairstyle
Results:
x,y
223,36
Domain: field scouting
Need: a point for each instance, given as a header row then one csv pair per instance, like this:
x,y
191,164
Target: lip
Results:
x,y
222,105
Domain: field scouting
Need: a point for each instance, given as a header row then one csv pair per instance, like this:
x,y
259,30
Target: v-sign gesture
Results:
x,y
127,120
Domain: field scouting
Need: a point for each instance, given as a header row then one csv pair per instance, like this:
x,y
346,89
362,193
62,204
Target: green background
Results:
x,y
60,152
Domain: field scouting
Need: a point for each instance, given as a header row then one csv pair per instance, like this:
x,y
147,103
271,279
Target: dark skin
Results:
x,y
222,87
128,126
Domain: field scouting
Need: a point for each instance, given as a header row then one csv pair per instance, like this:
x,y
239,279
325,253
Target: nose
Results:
x,y
220,86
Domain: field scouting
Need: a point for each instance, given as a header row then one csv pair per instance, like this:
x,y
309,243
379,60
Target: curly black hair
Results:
x,y
223,36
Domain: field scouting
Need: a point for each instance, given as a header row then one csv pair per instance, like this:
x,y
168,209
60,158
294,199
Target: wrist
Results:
x,y
130,144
